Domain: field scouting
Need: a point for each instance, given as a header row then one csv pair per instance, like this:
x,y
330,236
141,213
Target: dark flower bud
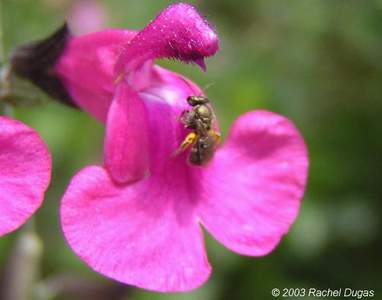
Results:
x,y
35,62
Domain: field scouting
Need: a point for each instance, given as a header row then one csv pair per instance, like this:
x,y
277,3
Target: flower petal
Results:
x,y
178,32
87,16
25,168
87,67
126,141
142,234
255,183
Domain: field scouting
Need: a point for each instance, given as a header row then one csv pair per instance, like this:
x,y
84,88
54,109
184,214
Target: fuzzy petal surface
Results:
x,y
178,32
87,68
255,183
25,169
126,141
144,234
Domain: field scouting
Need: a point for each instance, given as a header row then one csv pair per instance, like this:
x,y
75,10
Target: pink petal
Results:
x,y
126,141
177,32
87,16
25,168
144,234
255,183
87,69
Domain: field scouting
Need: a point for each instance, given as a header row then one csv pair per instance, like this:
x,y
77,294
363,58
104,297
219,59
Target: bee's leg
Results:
x,y
183,114
188,141
216,136
196,157
187,118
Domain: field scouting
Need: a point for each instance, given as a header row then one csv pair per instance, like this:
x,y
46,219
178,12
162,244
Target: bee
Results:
x,y
203,138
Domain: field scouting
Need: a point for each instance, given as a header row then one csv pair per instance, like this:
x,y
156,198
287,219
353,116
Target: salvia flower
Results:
x,y
138,218
25,168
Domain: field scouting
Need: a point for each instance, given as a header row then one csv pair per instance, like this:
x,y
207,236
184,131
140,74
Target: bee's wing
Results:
x,y
216,136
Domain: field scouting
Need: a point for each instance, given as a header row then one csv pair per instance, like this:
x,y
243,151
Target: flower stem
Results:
x,y
2,51
23,265
4,87
5,91
2,46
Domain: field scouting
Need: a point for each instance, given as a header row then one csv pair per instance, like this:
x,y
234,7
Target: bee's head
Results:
x,y
197,100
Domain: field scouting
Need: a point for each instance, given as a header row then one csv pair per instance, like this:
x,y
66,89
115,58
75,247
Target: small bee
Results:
x,y
203,137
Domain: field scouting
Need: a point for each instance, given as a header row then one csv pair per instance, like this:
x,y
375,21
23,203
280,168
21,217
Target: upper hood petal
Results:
x,y
178,32
25,169
91,65
253,187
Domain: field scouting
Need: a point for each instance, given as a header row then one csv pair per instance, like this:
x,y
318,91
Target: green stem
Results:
x,y
22,267
6,110
3,85
5,89
2,48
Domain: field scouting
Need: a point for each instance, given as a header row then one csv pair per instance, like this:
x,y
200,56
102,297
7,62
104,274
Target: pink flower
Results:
x,y
25,168
137,219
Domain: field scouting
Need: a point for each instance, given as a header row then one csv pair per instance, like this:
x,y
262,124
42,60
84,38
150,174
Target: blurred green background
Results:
x,y
318,62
